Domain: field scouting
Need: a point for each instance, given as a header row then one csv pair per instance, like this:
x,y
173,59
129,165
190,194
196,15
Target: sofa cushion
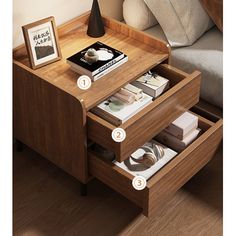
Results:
x,y
183,22
115,12
205,55
157,32
137,14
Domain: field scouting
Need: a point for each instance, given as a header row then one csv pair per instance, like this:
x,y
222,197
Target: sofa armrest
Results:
x,y
115,11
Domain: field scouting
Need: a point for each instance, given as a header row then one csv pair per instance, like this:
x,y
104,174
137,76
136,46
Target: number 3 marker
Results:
x,y
139,182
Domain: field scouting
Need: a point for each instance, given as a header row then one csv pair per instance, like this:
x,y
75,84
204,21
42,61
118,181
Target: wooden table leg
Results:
x,y
19,146
83,189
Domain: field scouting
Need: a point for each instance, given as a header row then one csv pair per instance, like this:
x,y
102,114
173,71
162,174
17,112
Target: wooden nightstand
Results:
x,y
52,115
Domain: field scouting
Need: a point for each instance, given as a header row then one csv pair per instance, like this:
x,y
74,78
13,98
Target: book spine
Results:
x,y
174,130
109,64
117,64
79,70
82,70
179,132
162,89
145,89
174,142
133,89
184,135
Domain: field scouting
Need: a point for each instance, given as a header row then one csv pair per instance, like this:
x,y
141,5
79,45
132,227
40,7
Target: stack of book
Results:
x,y
132,98
122,105
180,133
152,84
108,59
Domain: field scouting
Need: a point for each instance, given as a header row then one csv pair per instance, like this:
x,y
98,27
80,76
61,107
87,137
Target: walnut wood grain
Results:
x,y
115,177
51,114
47,202
152,119
49,108
50,121
162,186
208,110
172,72
170,178
144,52
141,36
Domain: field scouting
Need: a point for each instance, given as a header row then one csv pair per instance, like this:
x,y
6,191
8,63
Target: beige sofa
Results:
x,y
205,55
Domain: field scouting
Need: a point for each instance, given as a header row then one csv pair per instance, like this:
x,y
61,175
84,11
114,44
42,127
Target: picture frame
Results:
x,y
41,41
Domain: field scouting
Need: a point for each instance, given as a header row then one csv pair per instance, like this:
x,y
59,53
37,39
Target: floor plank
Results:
x,y
47,202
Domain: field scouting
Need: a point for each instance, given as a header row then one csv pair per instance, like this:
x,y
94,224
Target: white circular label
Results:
x,y
118,135
84,82
139,182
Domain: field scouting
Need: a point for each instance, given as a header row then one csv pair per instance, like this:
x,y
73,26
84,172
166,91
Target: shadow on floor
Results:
x,y
207,184
47,201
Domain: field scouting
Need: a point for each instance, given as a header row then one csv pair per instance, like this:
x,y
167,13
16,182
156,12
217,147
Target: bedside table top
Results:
x,y
143,51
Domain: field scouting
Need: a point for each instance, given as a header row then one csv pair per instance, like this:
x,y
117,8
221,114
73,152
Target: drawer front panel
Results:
x,y
188,163
169,179
151,120
116,178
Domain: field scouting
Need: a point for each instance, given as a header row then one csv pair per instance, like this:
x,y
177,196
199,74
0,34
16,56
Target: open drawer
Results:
x,y
183,94
170,178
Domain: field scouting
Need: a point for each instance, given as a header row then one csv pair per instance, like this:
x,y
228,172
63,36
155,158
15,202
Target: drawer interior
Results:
x,y
167,180
183,94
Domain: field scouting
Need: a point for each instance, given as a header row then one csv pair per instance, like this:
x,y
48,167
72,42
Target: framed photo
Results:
x,y
42,42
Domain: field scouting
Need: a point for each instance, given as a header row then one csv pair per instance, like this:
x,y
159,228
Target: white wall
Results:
x,y
27,11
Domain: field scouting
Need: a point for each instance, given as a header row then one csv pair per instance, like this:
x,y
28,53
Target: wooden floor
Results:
x,y
47,202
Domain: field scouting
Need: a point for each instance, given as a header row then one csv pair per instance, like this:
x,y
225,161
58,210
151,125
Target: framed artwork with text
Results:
x,y
41,41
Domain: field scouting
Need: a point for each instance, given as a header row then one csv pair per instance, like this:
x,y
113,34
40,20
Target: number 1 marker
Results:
x,y
84,82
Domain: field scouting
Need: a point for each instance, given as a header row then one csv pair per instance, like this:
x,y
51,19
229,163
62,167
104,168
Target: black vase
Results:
x,y
95,25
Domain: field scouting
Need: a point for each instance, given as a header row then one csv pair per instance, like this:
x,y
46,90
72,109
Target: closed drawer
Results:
x,y
183,94
170,178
